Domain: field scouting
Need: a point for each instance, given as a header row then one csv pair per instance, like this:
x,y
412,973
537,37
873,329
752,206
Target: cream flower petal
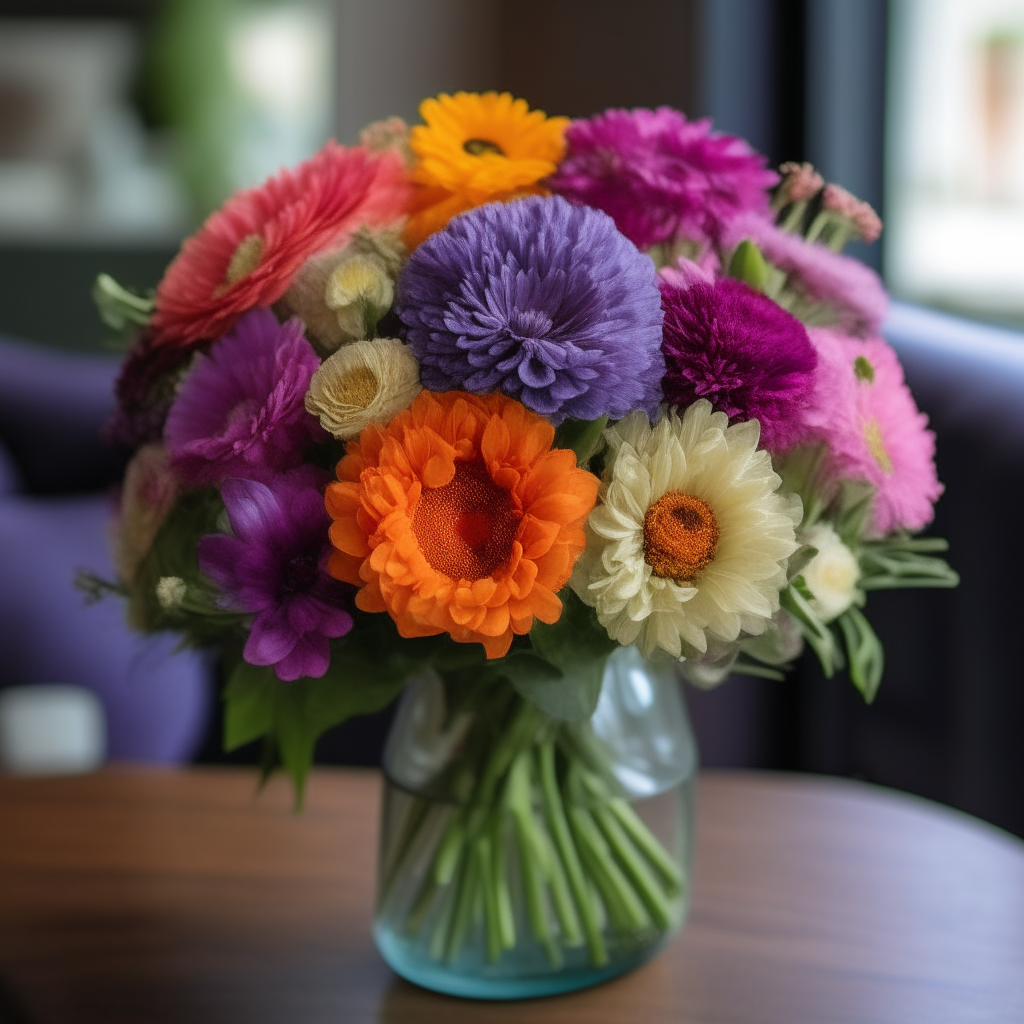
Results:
x,y
704,458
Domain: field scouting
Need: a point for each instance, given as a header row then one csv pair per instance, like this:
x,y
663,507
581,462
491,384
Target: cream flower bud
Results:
x,y
341,295
833,573
170,592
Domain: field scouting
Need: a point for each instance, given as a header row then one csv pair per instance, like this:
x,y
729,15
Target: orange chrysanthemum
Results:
x,y
476,149
458,517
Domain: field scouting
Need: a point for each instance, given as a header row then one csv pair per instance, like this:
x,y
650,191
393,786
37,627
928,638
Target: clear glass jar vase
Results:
x,y
524,856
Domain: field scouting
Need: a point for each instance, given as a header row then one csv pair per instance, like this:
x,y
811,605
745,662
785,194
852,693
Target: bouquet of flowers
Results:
x,y
486,400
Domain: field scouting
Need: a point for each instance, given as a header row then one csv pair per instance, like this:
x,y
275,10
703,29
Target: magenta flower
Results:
x,y
863,410
660,176
274,567
853,291
735,347
240,411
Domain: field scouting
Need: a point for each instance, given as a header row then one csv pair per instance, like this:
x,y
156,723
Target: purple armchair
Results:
x,y
55,478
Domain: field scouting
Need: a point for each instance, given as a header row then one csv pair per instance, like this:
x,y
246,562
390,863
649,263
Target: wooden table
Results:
x,y
139,896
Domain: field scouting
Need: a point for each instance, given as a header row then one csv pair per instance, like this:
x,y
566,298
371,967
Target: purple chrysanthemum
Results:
x,y
273,566
240,410
542,300
738,349
661,176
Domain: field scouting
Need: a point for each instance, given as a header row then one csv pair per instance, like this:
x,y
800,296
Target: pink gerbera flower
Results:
x,y
247,253
863,410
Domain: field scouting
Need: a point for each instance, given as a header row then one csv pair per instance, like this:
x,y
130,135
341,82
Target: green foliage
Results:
x,y
124,311
796,600
582,436
748,265
864,651
368,669
562,676
902,561
174,553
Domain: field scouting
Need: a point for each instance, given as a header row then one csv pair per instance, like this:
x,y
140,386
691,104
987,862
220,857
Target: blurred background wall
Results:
x,y
123,122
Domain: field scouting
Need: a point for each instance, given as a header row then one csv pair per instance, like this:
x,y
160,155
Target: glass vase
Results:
x,y
524,856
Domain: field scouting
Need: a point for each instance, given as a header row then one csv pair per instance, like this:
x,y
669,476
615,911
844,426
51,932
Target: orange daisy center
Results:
x,y
680,536
466,528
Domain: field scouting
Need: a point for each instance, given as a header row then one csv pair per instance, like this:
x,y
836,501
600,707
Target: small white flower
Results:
x,y
832,575
690,538
362,383
170,592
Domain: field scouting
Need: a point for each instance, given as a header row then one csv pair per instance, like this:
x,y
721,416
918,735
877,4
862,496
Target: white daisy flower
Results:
x,y
362,383
690,538
832,575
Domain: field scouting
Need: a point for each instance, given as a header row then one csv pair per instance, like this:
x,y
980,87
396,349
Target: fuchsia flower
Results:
x,y
733,346
240,411
273,566
660,176
853,290
863,410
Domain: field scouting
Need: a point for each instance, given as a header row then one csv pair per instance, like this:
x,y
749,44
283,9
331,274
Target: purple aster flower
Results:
x,y
274,567
542,300
738,349
661,176
853,291
240,410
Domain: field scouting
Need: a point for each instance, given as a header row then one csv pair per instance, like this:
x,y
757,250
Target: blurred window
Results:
x,y
955,195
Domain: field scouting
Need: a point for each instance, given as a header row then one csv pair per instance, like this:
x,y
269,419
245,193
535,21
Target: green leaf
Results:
x,y
865,652
799,560
852,512
119,306
795,599
582,436
748,265
249,699
743,666
577,646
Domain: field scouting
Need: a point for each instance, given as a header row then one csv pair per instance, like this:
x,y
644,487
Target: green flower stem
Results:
x,y
450,850
559,827
795,215
492,915
647,887
506,916
561,896
624,907
466,892
413,828
531,853
442,923
647,842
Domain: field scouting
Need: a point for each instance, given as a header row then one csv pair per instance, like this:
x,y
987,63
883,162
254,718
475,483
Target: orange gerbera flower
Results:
x,y
474,149
458,517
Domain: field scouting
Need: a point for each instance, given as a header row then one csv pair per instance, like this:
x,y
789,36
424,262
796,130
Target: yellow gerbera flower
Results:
x,y
477,148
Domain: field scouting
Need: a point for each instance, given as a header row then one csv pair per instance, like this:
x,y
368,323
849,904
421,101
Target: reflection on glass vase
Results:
x,y
523,856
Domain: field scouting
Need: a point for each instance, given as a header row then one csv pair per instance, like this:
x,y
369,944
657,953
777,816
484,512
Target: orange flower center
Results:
x,y
466,528
680,536
477,147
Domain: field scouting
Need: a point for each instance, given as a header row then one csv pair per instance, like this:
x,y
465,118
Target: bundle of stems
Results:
x,y
532,800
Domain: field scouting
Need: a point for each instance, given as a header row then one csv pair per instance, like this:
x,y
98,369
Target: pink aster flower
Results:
x,y
853,291
863,410
660,176
248,252
240,411
860,214
273,567
800,182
